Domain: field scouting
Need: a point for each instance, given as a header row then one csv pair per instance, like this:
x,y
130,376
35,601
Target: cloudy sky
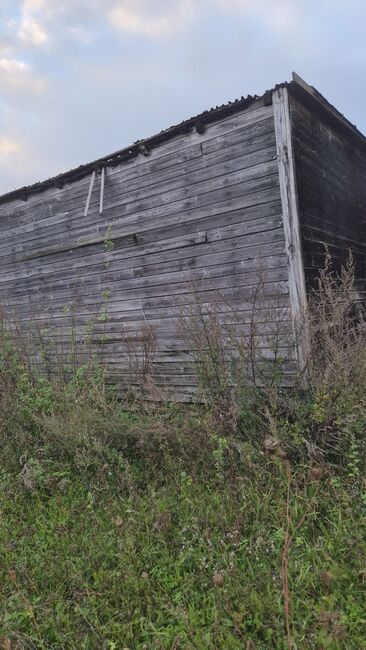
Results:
x,y
82,78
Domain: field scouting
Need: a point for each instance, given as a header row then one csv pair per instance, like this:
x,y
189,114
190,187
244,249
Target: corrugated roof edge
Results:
x,y
299,88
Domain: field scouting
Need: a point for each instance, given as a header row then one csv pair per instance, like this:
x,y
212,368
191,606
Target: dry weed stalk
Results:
x,y
56,351
241,348
141,351
338,327
245,351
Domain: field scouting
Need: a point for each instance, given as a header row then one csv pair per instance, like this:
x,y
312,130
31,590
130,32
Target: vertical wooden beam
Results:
x,y
291,221
92,179
101,191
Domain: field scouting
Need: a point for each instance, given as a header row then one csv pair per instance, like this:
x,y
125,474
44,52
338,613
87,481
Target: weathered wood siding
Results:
x,y
331,185
200,206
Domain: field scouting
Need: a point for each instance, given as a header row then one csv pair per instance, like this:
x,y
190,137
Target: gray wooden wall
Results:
x,y
331,184
201,206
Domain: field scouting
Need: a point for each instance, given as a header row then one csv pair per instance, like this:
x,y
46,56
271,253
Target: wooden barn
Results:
x,y
259,183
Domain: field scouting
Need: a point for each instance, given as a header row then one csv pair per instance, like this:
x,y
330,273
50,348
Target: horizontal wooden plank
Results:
x,y
162,203
134,226
187,257
242,283
250,219
158,184
167,152
129,249
125,359
268,257
239,298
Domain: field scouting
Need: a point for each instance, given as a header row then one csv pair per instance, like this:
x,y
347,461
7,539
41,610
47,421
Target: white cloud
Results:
x,y
139,17
9,146
40,21
163,18
12,66
43,21
17,76
31,32
36,5
30,28
280,15
14,162
80,35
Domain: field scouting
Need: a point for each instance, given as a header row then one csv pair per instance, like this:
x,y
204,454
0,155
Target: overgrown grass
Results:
x,y
240,523
187,559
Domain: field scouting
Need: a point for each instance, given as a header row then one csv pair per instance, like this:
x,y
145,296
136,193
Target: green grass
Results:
x,y
183,555
238,525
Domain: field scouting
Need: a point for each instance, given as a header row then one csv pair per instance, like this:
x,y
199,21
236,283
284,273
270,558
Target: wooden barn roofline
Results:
x,y
297,87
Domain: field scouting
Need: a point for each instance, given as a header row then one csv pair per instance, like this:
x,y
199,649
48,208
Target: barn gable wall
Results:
x,y
331,185
202,206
